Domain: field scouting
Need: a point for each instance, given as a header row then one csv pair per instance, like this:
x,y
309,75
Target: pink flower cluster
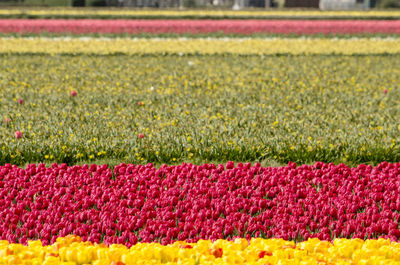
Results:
x,y
191,202
84,26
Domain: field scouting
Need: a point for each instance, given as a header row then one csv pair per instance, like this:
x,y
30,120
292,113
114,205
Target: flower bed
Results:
x,y
244,27
254,111
205,46
71,250
187,202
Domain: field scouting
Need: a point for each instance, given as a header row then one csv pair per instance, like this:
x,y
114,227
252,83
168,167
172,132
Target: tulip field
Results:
x,y
199,137
200,27
300,108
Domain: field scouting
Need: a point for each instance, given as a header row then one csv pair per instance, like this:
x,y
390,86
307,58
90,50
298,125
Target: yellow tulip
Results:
x,y
258,251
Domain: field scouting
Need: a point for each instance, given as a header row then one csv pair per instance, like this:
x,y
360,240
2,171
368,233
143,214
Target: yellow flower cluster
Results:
x,y
70,250
198,13
181,46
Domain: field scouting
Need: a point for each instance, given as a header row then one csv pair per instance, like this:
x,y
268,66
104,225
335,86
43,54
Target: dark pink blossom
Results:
x,y
132,203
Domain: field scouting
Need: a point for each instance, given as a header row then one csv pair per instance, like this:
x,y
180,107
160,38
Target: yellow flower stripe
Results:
x,y
197,13
200,46
70,250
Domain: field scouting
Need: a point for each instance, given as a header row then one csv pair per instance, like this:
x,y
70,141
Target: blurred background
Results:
x,y
234,4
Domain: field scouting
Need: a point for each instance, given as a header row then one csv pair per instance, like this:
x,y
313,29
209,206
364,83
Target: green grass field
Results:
x,y
272,109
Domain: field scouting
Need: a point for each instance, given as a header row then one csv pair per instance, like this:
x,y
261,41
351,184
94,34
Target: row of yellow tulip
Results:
x,y
205,46
197,13
71,250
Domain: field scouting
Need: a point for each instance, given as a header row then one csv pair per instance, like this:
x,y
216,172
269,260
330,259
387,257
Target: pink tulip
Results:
x,y
73,93
21,101
18,134
204,26
141,136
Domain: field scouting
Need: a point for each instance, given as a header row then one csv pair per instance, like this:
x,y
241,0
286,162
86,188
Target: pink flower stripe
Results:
x,y
85,26
190,202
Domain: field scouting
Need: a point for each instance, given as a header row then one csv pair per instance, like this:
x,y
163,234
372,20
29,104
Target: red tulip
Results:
x,y
217,252
189,202
264,253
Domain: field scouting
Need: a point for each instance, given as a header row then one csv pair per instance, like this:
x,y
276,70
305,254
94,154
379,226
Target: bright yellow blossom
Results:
x,y
71,250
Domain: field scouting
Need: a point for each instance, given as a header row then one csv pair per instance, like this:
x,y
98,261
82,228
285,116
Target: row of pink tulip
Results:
x,y
134,203
308,27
